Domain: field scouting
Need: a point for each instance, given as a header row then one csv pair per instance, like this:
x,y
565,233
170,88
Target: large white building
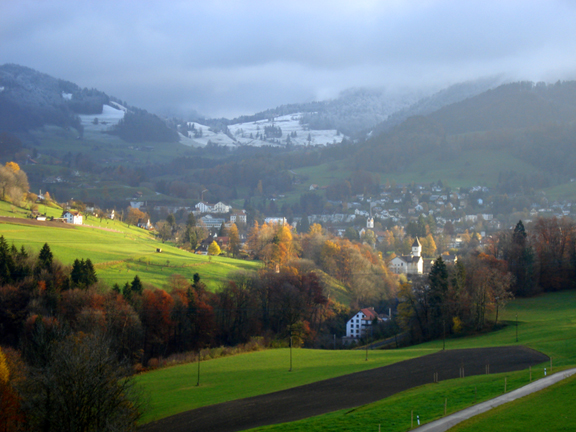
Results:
x,y
219,207
361,323
412,264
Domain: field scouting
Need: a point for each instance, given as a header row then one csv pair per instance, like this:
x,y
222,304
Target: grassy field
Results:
x,y
119,251
551,409
173,390
546,323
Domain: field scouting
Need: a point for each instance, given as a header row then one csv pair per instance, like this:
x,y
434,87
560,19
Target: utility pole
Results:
x,y
198,382
444,334
290,350
516,327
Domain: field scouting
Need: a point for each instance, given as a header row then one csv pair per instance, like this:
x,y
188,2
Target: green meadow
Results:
x,y
119,252
551,409
546,323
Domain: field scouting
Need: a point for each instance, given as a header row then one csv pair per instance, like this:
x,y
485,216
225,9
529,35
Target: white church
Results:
x,y
412,264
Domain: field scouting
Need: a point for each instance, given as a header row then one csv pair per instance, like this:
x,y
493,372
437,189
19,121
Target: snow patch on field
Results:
x,y
102,122
253,134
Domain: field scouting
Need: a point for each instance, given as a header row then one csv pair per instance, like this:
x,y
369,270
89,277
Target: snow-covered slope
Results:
x,y
281,131
102,122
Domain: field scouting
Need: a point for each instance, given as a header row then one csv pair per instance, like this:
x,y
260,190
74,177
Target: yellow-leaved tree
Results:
x,y
4,371
214,249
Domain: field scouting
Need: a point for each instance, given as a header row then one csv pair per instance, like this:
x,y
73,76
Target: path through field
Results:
x,y
347,391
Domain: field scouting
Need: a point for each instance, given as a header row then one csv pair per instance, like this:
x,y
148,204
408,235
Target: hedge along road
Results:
x,y
347,391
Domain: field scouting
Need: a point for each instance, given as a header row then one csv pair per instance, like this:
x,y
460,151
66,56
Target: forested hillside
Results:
x,y
30,99
534,122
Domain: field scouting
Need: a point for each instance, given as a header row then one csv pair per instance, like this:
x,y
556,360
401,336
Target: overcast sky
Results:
x,y
226,58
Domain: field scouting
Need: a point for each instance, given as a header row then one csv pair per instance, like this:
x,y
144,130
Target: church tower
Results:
x,y
416,248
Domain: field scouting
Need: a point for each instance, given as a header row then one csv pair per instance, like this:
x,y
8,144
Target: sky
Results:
x,y
228,58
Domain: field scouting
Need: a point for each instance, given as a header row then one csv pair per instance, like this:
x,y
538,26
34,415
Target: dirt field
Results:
x,y
347,391
55,224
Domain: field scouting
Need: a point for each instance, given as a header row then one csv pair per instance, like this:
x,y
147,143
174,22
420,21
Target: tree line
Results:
x,y
468,296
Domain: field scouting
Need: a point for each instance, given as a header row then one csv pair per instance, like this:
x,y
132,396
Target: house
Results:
x,y
220,207
145,224
73,217
202,207
276,220
361,323
238,217
412,264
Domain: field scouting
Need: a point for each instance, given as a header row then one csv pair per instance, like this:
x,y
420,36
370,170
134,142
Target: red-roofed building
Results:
x,y
361,323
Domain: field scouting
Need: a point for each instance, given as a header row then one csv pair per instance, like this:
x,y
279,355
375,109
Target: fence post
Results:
x,y
412,419
445,405
505,383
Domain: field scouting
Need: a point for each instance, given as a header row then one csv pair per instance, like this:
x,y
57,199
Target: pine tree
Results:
x,y
136,285
45,258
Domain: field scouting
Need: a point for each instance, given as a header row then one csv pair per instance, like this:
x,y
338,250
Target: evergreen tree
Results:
x,y
44,259
90,273
521,261
438,280
136,285
304,225
191,221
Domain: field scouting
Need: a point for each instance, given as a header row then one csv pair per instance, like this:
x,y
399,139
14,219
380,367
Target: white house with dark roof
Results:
x,y
412,264
361,323
73,217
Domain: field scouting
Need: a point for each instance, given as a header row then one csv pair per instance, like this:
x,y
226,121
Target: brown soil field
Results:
x,y
22,221
347,391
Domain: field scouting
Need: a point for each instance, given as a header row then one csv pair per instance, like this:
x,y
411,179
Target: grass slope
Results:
x,y
119,251
546,323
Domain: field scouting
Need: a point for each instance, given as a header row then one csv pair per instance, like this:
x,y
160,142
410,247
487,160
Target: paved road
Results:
x,y
447,422
347,391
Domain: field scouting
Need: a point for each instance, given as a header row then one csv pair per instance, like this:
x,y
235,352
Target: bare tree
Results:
x,y
80,387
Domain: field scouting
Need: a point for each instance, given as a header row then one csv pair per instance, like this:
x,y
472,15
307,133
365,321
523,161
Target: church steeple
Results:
x,y
416,248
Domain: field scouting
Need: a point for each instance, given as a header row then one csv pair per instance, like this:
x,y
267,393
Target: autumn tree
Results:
x,y
234,240
11,374
133,215
214,249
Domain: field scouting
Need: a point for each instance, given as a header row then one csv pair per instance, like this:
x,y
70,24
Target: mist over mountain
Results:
x,y
429,104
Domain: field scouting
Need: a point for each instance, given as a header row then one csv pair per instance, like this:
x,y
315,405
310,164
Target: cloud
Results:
x,y
236,57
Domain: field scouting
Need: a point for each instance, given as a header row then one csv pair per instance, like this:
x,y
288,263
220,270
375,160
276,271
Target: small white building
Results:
x,y
361,323
412,264
73,217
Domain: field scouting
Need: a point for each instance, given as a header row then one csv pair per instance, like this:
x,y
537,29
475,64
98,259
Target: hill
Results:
x,y
429,104
528,128
352,112
118,251
31,99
